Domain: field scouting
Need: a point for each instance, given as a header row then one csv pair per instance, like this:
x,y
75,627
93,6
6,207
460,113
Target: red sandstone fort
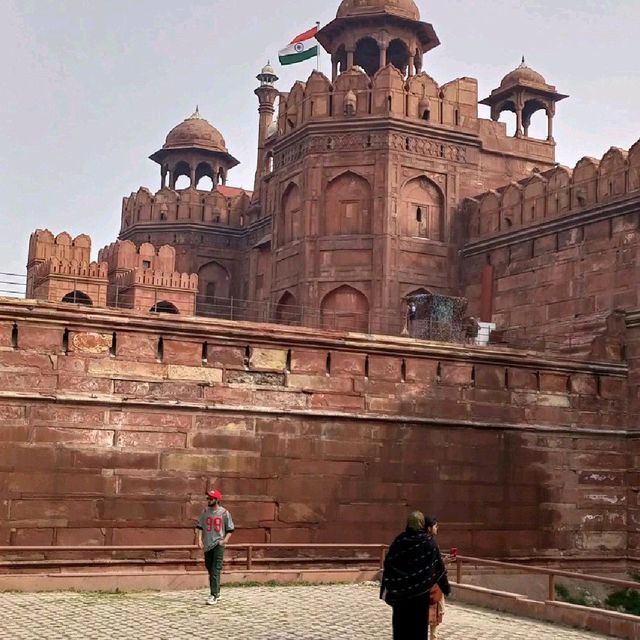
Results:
x,y
261,341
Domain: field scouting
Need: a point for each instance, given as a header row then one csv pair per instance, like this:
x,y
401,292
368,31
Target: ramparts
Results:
x,y
114,424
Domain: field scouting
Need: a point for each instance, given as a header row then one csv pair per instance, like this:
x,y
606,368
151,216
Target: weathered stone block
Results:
x,y
139,347
584,384
489,377
256,379
309,361
522,379
34,337
319,383
554,382
126,369
349,364
421,371
204,375
182,352
90,343
299,512
89,536
150,440
385,368
456,374
263,359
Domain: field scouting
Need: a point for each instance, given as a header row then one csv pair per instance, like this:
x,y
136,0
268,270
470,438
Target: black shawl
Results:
x,y
412,567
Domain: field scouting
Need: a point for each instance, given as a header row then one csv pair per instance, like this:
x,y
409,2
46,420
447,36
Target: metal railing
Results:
x,y
244,554
551,573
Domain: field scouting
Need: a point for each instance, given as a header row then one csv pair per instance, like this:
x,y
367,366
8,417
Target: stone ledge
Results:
x,y
174,580
609,623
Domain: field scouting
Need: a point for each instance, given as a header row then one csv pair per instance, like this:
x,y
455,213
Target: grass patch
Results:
x,y
626,601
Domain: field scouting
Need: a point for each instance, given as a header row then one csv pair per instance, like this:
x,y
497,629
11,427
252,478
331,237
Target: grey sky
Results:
x,y
91,87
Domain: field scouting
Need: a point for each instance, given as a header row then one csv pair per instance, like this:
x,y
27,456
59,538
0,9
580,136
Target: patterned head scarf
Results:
x,y
415,521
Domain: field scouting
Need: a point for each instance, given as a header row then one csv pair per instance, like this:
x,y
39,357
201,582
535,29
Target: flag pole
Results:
x,y
318,48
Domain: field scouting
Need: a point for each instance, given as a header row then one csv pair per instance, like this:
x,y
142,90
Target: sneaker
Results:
x,y
212,600
218,598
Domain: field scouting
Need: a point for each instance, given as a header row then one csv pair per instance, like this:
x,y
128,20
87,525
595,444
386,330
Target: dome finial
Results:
x,y
196,114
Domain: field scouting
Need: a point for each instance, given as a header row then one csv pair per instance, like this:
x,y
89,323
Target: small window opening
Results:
x,y
406,144
403,371
146,264
456,117
217,219
14,336
312,107
368,141
114,344
205,352
160,349
328,364
366,367
288,365
442,151
610,187
65,341
418,214
473,376
506,378
389,103
247,356
439,372
426,115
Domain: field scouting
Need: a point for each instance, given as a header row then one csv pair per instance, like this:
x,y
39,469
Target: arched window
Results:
x,y
78,297
348,206
291,215
422,210
164,307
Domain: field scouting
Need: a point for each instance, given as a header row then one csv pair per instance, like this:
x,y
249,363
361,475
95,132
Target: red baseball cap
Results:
x,y
215,494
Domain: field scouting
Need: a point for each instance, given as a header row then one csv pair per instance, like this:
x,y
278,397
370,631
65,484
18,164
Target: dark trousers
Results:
x,y
411,619
213,561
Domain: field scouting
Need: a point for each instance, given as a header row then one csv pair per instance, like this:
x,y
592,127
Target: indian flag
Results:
x,y
301,48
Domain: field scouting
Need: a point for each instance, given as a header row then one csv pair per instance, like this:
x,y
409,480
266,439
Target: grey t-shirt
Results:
x,y
214,524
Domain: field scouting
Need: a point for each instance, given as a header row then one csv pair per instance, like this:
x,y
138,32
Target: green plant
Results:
x,y
582,598
627,601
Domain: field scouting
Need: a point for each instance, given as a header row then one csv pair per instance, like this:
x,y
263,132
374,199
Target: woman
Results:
x,y
436,600
412,567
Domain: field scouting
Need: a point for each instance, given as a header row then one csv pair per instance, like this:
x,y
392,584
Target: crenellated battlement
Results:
x,y
223,206
554,193
153,278
387,93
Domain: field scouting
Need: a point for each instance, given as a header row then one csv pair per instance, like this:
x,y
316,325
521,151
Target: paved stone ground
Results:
x,y
349,612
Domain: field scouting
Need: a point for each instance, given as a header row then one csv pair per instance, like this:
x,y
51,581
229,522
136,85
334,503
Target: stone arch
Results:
x,y
534,199
612,174
288,310
356,81
347,205
634,167
164,306
584,189
181,170
511,210
558,192
489,213
423,98
346,309
205,171
291,227
77,297
421,209
367,55
398,55
214,282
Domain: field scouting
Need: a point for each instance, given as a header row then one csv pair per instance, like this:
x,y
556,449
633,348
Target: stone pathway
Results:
x,y
349,612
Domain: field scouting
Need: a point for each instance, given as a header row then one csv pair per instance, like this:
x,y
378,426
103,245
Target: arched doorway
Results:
x,y
291,215
78,297
288,311
345,309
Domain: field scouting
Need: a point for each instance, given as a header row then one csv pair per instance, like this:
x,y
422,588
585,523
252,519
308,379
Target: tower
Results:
x,y
524,91
373,33
195,149
267,94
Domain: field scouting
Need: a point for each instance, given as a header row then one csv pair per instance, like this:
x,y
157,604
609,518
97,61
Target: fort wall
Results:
x,y
113,425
